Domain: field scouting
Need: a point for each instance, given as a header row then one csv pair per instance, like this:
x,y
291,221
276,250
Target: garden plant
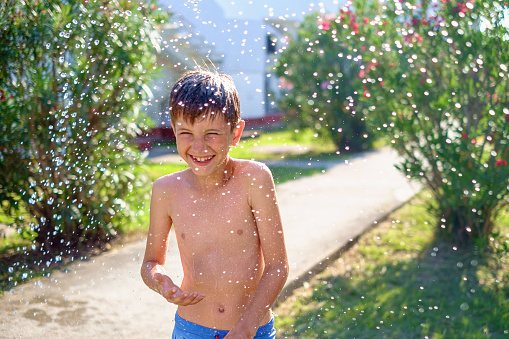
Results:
x,y
318,87
433,77
73,76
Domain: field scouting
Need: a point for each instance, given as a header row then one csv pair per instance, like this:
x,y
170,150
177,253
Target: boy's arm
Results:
x,y
152,269
270,231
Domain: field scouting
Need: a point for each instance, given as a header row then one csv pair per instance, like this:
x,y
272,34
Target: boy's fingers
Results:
x,y
188,298
170,294
197,299
176,297
193,299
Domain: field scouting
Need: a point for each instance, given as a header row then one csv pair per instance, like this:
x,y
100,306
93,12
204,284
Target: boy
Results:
x,y
226,220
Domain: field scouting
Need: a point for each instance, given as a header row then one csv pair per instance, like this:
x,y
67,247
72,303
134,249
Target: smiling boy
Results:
x,y
226,219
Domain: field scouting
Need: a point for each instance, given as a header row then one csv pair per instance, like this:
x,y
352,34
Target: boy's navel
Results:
x,y
239,232
221,309
182,235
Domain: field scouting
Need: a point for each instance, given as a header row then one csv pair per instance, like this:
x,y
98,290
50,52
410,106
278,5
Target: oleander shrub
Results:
x,y
73,76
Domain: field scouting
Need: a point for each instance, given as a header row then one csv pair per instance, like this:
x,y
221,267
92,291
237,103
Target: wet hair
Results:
x,y
202,94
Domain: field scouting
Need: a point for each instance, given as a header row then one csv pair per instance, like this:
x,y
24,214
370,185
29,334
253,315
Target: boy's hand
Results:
x,y
235,335
241,332
174,294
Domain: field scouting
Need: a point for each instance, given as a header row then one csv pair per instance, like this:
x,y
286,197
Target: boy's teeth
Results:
x,y
202,159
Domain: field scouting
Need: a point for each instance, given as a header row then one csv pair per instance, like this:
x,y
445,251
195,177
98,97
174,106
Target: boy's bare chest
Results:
x,y
212,217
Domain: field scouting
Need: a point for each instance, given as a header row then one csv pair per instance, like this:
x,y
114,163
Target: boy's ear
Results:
x,y
238,132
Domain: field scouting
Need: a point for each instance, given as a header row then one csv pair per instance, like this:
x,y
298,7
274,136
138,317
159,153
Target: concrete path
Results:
x,y
105,297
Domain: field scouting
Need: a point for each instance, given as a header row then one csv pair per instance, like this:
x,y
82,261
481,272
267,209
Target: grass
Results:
x,y
401,281
283,144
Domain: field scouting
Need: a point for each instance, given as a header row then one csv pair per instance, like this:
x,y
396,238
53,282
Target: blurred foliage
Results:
x,y
73,76
433,77
318,87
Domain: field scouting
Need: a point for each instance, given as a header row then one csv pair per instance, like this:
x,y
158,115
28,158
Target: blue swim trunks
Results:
x,y
187,330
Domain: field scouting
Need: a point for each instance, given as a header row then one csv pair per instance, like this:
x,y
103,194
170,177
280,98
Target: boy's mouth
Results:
x,y
202,160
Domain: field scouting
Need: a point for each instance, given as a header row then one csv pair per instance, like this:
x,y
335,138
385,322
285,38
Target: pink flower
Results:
x,y
325,25
464,136
460,8
361,74
412,37
285,84
500,162
325,84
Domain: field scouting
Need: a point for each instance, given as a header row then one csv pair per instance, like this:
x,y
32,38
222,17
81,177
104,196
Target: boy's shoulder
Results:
x,y
245,166
251,170
169,180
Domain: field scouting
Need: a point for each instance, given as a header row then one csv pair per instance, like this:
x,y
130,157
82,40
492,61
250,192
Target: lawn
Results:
x,y
401,281
284,144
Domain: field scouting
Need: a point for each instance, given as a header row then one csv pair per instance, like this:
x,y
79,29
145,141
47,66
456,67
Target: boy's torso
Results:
x,y
219,248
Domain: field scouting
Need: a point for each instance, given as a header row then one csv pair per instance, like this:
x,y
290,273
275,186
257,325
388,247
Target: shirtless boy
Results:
x,y
226,219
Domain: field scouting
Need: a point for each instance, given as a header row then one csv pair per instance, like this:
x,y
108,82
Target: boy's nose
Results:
x,y
199,145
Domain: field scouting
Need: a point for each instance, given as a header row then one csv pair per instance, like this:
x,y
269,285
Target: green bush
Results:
x,y
430,75
73,76
318,87
436,81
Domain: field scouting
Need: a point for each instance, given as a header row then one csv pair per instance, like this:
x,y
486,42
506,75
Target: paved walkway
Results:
x,y
105,297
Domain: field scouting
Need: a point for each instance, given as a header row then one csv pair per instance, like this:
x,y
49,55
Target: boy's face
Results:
x,y
204,145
